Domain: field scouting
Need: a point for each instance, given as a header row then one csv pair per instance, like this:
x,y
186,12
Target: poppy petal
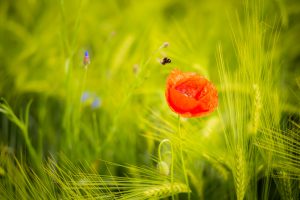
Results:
x,y
190,95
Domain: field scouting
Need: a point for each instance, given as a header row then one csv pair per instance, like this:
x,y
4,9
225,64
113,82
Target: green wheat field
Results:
x,y
83,112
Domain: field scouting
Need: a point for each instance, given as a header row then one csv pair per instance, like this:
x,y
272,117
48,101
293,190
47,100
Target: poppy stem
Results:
x,y
181,156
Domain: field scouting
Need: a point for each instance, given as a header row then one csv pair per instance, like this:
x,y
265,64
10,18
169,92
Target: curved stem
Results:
x,y
172,161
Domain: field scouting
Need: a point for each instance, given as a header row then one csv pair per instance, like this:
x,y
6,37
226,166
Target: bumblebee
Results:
x,y
165,60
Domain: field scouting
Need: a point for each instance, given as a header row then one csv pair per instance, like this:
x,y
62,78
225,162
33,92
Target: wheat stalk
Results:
x,y
257,109
240,174
284,185
166,190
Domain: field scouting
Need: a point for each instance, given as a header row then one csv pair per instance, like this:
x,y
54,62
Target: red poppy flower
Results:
x,y
190,95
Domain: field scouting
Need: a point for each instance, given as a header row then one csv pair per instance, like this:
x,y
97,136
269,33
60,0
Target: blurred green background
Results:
x,y
42,46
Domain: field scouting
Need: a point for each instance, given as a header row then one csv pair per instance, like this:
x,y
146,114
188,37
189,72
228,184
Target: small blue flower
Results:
x,y
86,59
96,103
85,96
90,99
